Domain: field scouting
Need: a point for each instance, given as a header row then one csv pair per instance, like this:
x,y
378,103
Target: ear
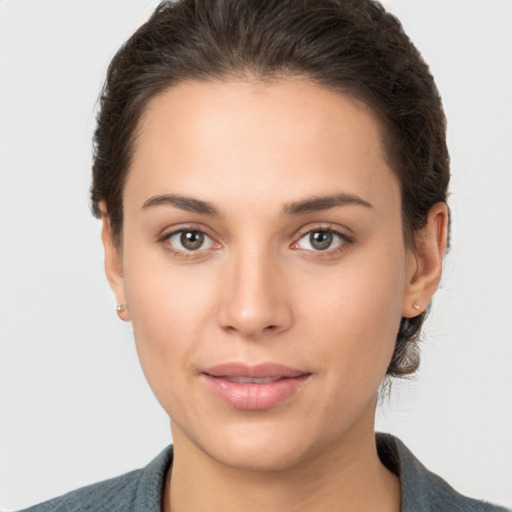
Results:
x,y
426,262
113,265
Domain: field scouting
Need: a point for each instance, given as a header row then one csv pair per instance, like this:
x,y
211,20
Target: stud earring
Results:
x,y
416,307
121,308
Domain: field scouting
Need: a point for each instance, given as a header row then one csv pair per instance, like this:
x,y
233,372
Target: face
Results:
x,y
264,267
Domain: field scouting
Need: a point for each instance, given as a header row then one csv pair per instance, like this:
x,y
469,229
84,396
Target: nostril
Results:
x,y
271,327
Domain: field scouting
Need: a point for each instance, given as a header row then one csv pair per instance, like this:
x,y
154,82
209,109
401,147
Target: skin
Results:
x,y
259,291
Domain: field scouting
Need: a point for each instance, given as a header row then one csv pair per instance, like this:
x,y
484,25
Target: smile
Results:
x,y
258,387
252,380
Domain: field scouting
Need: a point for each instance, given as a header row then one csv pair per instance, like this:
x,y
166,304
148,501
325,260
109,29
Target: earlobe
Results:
x,y
113,265
426,264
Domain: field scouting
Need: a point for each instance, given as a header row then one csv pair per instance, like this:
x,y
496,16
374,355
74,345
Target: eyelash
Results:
x,y
345,242
165,241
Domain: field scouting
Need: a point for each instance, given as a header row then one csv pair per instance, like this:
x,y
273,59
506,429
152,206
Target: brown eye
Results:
x,y
321,240
189,240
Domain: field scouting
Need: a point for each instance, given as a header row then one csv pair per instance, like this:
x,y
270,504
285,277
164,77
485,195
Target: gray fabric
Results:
x,y
141,490
422,491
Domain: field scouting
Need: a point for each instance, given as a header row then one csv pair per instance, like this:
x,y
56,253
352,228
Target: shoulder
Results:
x,y
138,490
422,490
114,494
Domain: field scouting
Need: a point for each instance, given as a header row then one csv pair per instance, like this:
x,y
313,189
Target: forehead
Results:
x,y
257,139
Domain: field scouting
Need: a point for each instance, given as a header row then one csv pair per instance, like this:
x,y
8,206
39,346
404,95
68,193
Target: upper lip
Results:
x,y
257,371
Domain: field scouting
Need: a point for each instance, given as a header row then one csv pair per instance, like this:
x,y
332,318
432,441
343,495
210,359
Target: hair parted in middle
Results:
x,y
353,47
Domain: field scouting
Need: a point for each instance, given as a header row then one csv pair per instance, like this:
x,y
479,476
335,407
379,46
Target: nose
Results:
x,y
255,299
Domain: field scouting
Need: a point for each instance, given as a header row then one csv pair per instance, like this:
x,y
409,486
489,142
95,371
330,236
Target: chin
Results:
x,y
274,455
253,446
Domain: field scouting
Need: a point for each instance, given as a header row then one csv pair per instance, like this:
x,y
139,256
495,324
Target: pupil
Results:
x,y
192,240
320,240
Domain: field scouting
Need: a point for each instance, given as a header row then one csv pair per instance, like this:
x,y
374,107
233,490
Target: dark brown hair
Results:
x,y
351,46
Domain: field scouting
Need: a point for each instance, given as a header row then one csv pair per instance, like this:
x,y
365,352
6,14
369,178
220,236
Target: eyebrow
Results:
x,y
316,204
308,205
186,203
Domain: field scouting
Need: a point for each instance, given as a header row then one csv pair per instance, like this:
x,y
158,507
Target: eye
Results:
x,y
321,240
189,240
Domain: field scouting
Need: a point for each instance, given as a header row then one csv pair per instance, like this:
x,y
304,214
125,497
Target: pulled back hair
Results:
x,y
353,47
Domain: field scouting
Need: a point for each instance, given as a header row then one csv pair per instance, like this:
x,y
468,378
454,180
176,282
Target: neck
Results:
x,y
348,477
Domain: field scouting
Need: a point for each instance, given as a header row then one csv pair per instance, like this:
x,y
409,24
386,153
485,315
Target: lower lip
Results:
x,y
252,396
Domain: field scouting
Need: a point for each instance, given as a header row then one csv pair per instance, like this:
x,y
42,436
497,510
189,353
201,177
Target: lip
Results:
x,y
234,383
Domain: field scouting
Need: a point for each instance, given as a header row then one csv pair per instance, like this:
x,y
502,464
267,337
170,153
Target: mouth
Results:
x,y
258,387
251,380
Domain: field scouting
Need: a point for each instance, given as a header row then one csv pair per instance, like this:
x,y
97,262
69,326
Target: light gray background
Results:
x,y
74,406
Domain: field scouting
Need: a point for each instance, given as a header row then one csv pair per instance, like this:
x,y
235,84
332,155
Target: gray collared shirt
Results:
x,y
141,490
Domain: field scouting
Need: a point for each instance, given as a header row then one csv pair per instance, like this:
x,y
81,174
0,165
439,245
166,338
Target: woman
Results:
x,y
271,178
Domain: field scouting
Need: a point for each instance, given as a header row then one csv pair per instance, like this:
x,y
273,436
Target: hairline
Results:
x,y
360,96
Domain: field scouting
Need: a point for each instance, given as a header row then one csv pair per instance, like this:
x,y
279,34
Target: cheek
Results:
x,y
169,313
360,308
